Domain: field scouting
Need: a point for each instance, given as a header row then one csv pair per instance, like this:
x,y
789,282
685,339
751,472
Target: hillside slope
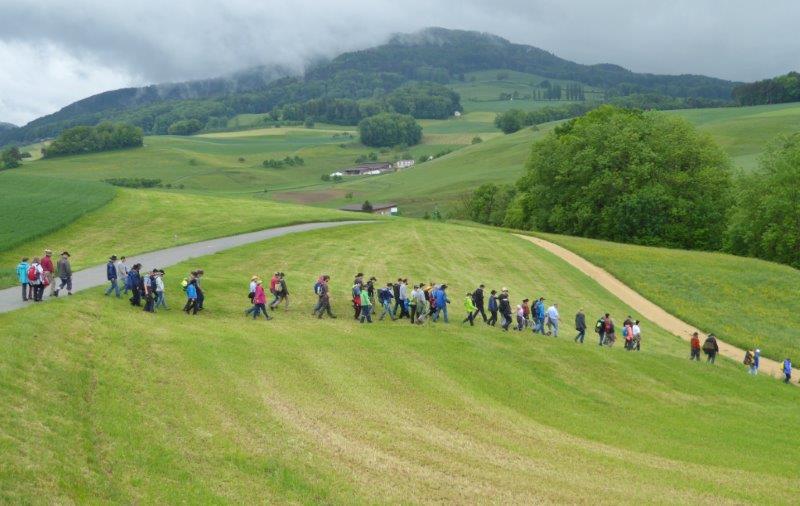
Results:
x,y
121,406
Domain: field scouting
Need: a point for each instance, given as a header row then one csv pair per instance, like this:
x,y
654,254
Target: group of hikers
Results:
x,y
418,302
40,273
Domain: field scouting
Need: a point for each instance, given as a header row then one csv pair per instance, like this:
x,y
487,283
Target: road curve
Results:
x,y
646,308
11,298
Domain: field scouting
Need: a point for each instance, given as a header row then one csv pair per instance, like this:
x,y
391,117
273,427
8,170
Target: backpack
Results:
x,y
317,288
708,345
184,284
748,358
625,331
33,274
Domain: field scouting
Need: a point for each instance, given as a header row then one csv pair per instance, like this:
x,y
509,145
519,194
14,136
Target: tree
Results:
x,y
389,129
628,176
185,127
765,223
86,139
309,122
366,206
10,158
510,121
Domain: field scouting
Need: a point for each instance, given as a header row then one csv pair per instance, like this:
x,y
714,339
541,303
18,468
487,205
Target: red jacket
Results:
x,y
695,343
47,264
260,297
272,282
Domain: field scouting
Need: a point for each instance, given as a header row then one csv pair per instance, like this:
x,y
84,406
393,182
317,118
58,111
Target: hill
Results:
x,y
7,126
121,406
432,55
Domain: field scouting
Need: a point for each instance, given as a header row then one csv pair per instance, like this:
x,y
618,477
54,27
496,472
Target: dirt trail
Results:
x,y
646,308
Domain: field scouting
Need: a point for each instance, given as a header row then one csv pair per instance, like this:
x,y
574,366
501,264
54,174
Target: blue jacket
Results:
x,y
539,310
22,272
441,298
385,294
191,291
111,270
756,358
787,366
492,303
133,280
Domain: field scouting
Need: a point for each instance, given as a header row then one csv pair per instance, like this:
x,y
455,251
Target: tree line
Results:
x,y
777,90
647,178
87,139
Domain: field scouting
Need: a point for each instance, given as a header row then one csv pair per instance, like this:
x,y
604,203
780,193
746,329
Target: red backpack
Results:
x,y
33,273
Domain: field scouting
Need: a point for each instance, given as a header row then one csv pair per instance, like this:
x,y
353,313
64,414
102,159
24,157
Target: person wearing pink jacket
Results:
x,y
260,301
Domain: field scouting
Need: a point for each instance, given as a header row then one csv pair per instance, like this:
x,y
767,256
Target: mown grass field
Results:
x,y
747,302
137,221
31,207
121,406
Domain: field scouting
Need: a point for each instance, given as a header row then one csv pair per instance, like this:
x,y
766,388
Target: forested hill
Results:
x,y
6,126
352,86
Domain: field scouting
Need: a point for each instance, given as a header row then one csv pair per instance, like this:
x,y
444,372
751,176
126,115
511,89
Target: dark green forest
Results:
x,y
87,139
777,90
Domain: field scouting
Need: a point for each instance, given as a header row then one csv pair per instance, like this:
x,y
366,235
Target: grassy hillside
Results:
x,y
31,207
138,221
122,406
748,302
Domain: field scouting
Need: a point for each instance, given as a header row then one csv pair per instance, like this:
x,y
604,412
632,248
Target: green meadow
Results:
x,y
745,301
121,406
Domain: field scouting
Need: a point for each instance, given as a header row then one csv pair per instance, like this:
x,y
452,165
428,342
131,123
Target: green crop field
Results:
x,y
122,406
31,207
138,221
747,302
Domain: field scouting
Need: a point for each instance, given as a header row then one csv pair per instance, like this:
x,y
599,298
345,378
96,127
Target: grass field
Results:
x,y
138,221
747,302
31,207
121,406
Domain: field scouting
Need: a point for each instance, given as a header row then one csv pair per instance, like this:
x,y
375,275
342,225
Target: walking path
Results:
x,y
646,308
11,298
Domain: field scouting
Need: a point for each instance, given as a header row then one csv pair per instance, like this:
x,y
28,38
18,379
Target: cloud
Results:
x,y
89,44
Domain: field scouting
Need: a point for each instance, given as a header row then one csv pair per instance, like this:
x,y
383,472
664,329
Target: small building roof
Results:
x,y
357,207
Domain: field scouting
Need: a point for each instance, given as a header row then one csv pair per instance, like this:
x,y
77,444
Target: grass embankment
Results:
x,y
745,301
122,406
31,206
138,221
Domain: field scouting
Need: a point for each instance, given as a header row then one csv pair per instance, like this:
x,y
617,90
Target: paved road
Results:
x,y
11,298
646,308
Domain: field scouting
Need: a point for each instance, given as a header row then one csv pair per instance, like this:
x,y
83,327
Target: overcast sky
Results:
x,y
53,52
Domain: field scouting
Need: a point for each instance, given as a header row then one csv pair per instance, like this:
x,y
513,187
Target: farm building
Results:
x,y
403,164
369,169
380,208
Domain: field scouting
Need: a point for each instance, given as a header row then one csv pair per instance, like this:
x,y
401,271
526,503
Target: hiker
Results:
x,y
787,370
600,329
191,295
711,348
366,305
385,297
160,299
251,295
469,306
274,281
201,297
64,273
371,287
149,291
552,316
627,333
756,362
22,276
47,268
539,316
400,293
580,326
609,336
36,279
748,358
441,303
122,273
112,275
324,303
695,347
133,282
492,308
357,299
412,304
504,306
637,336
260,301
477,299
520,313
430,300
526,312
282,293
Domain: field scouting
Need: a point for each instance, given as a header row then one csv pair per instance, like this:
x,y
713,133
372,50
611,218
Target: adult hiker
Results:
x,y
469,306
526,312
356,293
133,282
400,292
371,287
64,273
36,279
756,362
149,291
441,303
580,326
385,297
191,296
504,306
112,275
600,329
787,370
282,292
609,335
161,300
201,296
552,316
22,276
251,294
637,336
492,305
711,348
324,303
122,273
695,347
48,269
412,304
366,305
627,333
274,282
260,301
520,313
539,316
477,299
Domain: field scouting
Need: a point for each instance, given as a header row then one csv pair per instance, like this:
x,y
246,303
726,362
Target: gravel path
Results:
x,y
11,298
646,308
